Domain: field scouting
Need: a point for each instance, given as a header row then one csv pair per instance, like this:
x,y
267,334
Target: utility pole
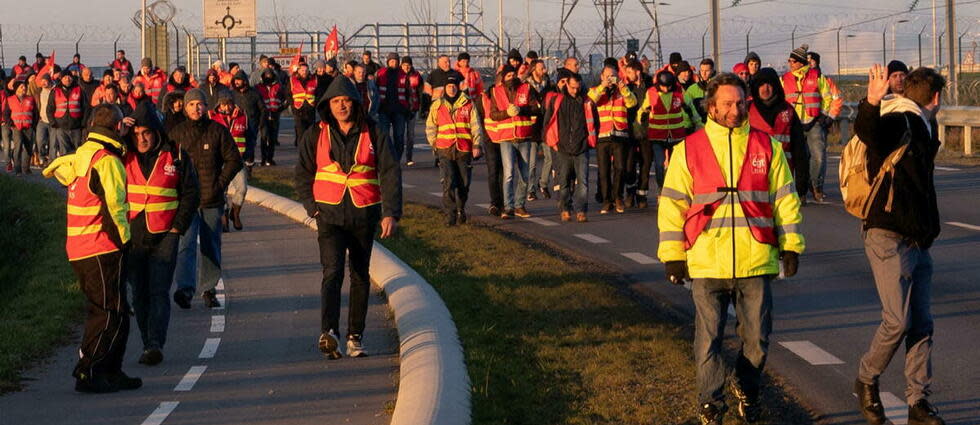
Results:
x,y
500,29
715,33
935,37
747,41
920,45
884,51
527,32
954,79
838,53
143,31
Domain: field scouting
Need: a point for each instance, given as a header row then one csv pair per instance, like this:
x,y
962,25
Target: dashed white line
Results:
x,y
437,194
408,186
588,237
190,378
217,324
220,286
963,225
731,311
210,348
947,168
809,351
639,258
484,206
896,409
221,301
541,221
161,412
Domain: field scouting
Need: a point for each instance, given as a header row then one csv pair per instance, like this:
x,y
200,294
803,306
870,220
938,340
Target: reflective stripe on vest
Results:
x,y
270,96
236,123
512,128
402,85
303,92
613,121
780,130
70,103
710,188
551,129
21,111
454,127
664,123
156,196
361,181
85,236
808,96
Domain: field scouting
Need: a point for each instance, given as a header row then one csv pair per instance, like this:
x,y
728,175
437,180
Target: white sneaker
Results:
x,y
354,347
330,345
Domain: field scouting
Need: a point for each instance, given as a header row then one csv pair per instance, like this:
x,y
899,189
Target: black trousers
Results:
x,y
106,322
302,121
611,158
456,175
336,242
495,174
631,176
269,136
150,265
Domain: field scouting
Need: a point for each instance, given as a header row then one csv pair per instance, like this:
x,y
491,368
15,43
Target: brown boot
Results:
x,y
566,216
224,222
236,216
580,217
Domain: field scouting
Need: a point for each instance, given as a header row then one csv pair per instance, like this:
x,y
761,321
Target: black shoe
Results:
x,y
710,414
329,345
123,382
272,162
748,406
151,357
923,413
451,219
507,215
641,202
94,385
182,299
545,193
494,211
869,403
630,200
461,217
531,196
210,300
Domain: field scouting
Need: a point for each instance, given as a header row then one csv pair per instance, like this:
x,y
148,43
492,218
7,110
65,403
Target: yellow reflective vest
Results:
x,y
714,255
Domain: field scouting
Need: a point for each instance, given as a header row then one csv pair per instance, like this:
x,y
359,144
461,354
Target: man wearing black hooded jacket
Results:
x,y
770,112
347,208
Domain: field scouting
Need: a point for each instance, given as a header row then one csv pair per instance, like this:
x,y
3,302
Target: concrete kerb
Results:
x,y
434,387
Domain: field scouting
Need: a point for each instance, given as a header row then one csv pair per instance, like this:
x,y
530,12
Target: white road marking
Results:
x,y
963,225
731,311
484,206
210,348
639,258
436,194
161,412
811,353
221,300
217,324
947,168
187,382
834,157
594,165
408,186
422,146
541,221
588,237
221,285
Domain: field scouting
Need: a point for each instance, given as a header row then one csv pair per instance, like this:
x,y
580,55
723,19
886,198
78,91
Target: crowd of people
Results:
x,y
157,167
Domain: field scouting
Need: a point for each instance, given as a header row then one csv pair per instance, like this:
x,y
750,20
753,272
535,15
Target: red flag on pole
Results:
x,y
294,64
48,66
332,46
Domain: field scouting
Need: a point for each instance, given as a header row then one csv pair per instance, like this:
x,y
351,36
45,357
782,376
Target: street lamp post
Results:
x,y
894,25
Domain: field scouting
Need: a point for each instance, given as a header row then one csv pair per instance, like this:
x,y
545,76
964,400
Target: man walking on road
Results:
x,y
510,106
97,237
348,180
393,87
303,88
667,121
728,214
901,225
612,98
162,191
809,93
571,125
217,161
453,130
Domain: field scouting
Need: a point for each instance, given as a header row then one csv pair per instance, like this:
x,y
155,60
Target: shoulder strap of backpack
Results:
x,y
888,168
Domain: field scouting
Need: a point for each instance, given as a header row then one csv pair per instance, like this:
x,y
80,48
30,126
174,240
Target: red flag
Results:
x,y
48,66
332,46
294,64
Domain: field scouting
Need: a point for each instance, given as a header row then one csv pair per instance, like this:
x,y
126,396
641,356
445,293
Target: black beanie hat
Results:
x,y
897,66
463,56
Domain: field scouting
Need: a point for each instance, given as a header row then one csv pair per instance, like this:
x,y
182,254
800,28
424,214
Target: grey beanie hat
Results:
x,y
195,94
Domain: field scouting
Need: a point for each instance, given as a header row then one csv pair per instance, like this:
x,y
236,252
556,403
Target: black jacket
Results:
x,y
770,111
572,125
915,212
342,150
250,102
214,154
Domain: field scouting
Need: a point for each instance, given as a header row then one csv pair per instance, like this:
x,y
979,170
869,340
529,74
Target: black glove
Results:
x,y
676,272
791,263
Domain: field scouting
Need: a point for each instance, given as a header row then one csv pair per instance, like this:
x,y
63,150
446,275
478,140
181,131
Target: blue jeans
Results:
x,y
66,141
540,169
44,134
206,225
515,158
816,140
393,123
752,298
573,181
150,272
7,142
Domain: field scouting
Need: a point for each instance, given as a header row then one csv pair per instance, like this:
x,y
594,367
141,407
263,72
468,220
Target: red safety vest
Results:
x,y
332,181
613,120
70,103
3,104
156,196
454,127
664,123
85,236
303,92
780,130
236,123
152,83
551,129
710,187
122,66
270,97
20,69
412,84
809,96
512,128
381,79
474,84
21,111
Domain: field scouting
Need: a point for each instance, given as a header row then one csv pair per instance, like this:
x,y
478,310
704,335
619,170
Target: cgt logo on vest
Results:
x,y
676,103
170,169
758,163
786,116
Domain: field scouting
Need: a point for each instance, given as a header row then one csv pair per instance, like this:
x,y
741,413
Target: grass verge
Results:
x,y
552,339
39,297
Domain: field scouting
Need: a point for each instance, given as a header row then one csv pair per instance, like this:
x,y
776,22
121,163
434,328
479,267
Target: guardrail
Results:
x,y
966,117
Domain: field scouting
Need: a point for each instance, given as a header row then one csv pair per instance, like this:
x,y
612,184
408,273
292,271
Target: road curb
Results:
x,y
434,386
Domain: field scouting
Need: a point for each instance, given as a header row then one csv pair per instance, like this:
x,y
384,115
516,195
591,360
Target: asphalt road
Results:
x,y
255,361
825,316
